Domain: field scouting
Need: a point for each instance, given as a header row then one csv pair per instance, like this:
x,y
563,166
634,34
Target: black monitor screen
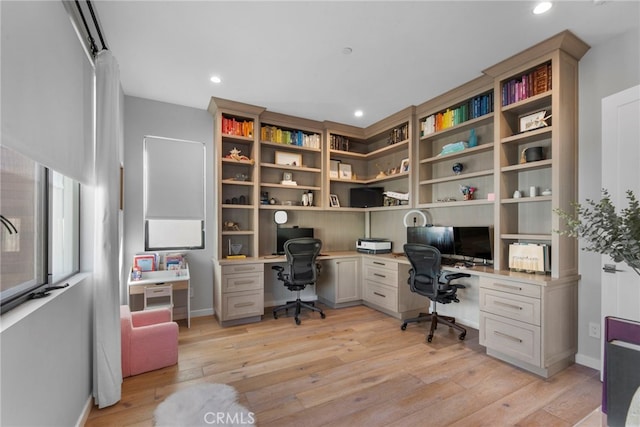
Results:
x,y
474,242
283,234
438,237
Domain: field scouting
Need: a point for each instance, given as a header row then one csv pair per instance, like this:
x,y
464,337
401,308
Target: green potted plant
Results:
x,y
606,230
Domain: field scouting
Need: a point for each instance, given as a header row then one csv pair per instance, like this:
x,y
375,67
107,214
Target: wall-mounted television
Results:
x,y
437,236
285,233
474,242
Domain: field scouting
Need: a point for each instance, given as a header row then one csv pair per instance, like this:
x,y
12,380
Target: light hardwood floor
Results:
x,y
356,368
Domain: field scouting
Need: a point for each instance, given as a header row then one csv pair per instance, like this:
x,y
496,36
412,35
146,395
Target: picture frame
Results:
x,y
145,262
404,165
287,176
333,201
533,121
345,171
286,158
333,168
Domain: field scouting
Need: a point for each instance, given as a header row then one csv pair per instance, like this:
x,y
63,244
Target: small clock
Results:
x,y
287,176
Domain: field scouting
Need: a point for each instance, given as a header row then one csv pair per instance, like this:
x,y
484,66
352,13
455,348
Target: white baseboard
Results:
x,y
202,313
590,362
82,419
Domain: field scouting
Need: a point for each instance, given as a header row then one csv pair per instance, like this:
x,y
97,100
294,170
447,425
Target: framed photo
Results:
x,y
287,176
288,159
345,171
404,166
333,168
533,121
333,201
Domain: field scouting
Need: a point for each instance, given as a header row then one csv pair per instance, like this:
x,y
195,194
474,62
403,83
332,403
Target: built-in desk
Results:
x,y
180,279
529,320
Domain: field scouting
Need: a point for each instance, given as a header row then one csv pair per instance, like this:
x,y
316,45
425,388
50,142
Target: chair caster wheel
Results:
x,y
297,321
429,338
275,316
322,315
403,327
461,337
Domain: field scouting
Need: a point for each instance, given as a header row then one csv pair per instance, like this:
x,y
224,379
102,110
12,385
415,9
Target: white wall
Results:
x,y
46,345
145,117
606,69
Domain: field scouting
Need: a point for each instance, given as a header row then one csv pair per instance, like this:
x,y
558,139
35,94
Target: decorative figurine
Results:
x,y
457,168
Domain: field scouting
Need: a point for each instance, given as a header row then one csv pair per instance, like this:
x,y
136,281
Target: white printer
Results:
x,y
373,246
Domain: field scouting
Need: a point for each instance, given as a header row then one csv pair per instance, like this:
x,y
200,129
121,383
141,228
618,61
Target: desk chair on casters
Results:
x,y
301,270
426,279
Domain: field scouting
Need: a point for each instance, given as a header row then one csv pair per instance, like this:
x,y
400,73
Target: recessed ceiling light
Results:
x,y
542,7
215,79
358,113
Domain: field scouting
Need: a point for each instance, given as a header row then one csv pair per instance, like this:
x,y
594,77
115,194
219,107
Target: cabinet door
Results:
x,y
347,279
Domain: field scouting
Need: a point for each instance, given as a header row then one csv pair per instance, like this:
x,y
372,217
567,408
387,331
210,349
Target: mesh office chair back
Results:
x,y
301,259
425,264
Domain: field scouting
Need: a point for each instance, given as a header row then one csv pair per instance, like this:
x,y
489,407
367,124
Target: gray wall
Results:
x,y
144,117
606,69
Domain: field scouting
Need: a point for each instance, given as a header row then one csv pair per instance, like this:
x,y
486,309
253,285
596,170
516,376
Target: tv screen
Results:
x,y
474,242
285,233
438,237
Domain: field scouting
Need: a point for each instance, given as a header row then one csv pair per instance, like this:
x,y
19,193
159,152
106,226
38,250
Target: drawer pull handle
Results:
x,y
244,304
380,295
517,288
379,263
379,275
243,282
244,268
500,334
508,305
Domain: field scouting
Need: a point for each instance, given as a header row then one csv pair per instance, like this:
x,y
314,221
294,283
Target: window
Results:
x,y
39,230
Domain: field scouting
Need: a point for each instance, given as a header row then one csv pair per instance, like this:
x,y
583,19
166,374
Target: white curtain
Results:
x,y
107,367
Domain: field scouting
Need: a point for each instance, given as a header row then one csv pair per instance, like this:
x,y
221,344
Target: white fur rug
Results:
x,y
203,405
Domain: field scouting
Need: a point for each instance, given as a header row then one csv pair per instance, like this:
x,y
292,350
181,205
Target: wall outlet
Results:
x,y
594,329
190,292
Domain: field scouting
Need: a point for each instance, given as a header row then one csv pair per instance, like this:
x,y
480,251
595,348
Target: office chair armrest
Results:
x,y
454,276
278,268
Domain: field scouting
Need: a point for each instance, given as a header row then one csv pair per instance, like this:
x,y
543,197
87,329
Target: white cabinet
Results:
x,y
339,282
239,293
531,325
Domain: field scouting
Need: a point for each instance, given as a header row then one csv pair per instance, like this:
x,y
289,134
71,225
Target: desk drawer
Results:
x,y
238,305
242,268
242,282
381,295
381,275
138,289
517,307
380,263
511,286
510,337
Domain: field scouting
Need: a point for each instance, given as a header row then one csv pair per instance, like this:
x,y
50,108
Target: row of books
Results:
x,y
290,137
153,261
530,84
339,142
231,126
472,109
398,134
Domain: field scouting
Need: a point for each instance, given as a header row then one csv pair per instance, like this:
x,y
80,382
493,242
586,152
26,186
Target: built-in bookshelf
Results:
x,y
237,155
291,163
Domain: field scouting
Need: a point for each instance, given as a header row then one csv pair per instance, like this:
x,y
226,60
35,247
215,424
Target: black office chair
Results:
x,y
426,279
302,270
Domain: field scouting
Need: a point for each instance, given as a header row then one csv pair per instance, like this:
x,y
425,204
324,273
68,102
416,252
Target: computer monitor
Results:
x,y
286,233
474,242
439,237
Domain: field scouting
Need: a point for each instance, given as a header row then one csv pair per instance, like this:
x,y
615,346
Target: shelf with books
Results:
x,y
237,154
474,109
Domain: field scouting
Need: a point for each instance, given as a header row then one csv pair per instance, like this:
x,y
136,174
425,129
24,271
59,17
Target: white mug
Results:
x,y
516,194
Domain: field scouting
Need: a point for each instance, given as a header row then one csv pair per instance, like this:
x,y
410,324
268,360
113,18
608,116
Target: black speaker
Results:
x,y
366,197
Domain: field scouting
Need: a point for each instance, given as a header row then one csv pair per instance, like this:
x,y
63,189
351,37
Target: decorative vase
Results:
x,y
468,196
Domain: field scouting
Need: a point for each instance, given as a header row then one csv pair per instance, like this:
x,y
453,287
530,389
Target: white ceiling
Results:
x,y
288,56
